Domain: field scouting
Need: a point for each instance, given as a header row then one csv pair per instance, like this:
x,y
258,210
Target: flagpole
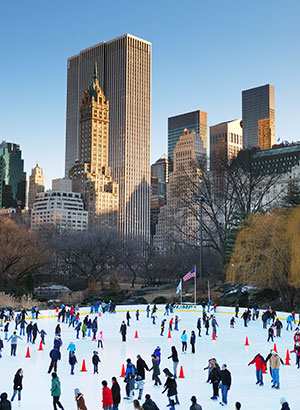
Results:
x,y
181,291
195,289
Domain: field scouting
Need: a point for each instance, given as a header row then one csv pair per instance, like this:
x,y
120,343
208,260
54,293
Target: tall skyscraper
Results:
x,y
36,184
12,176
226,140
158,198
125,77
91,176
258,107
195,120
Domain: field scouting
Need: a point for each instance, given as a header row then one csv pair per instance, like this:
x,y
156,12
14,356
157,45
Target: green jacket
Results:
x,y
84,327
55,387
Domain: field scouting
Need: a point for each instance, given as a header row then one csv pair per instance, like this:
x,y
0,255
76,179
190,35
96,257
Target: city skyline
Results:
x,y
201,84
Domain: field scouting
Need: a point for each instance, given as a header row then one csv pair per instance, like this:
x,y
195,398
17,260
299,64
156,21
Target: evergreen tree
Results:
x,y
292,197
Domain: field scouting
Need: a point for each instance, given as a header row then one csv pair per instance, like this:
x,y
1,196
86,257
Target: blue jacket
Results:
x,y
55,355
130,370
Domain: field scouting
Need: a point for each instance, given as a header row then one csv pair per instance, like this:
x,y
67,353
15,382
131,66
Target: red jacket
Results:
x,y
259,363
106,397
297,337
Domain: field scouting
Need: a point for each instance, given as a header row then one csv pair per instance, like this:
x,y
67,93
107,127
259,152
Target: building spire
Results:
x,y
95,76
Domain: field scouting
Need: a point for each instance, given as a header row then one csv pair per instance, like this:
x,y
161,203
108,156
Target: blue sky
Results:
x,y
204,54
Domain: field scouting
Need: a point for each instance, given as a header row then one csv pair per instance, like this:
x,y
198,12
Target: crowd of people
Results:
x,y
135,373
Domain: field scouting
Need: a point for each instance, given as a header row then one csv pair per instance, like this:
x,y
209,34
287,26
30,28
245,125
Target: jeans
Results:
x,y
22,331
57,402
100,343
96,368
184,346
28,337
53,366
115,406
147,313
175,364
289,324
6,333
270,337
89,332
275,377
259,376
224,390
72,368
13,350
176,326
15,393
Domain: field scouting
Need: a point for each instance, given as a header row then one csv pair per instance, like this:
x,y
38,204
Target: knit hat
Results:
x,y
283,400
167,372
193,399
76,391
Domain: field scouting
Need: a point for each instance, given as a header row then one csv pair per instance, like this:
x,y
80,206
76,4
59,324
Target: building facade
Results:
x,y
125,77
64,210
12,176
258,112
91,175
177,221
195,120
36,184
159,179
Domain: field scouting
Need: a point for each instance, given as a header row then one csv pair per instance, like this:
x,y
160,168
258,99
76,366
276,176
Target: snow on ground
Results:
x,y
228,348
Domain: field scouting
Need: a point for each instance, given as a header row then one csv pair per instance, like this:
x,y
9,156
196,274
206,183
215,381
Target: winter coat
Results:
x,y
14,339
4,404
171,386
259,362
285,406
184,337
106,397
140,368
174,356
214,375
150,405
80,402
195,406
155,368
278,324
157,354
72,360
55,387
95,359
225,377
116,392
71,347
18,382
193,339
275,361
35,329
130,369
84,327
57,343
123,329
55,354
130,383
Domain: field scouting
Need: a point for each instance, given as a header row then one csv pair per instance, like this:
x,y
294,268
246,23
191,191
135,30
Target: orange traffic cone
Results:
x,y
264,368
28,352
275,348
83,369
247,341
287,358
123,371
41,346
181,375
136,335
169,335
214,336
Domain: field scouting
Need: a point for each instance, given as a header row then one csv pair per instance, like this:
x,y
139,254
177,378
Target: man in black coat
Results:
x,y
225,379
140,367
123,331
115,391
55,356
149,404
4,403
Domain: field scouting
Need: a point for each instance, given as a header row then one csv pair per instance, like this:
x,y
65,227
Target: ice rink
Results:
x,y
229,348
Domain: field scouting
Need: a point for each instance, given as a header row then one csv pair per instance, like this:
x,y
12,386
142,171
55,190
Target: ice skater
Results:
x,y
170,387
79,400
155,370
123,331
100,339
162,327
139,385
260,366
128,317
95,360
56,391
225,383
199,326
184,341
193,341
18,380
175,360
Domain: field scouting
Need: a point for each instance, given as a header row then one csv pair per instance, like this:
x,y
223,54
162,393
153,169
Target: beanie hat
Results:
x,y
76,391
193,399
283,400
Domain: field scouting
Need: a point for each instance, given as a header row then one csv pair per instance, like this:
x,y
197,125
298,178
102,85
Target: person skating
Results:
x,y
275,361
184,341
77,329
245,317
56,391
1,347
17,387
199,328
278,326
270,334
260,365
237,309
214,325
55,356
107,400
95,360
149,403
195,405
123,331
175,360
166,310
4,402
289,321
157,353
43,334
171,387
29,332
297,351
141,366
206,324
35,332
57,343
83,330
193,341
225,382
214,378
148,310
71,348
100,339
116,393
139,385
171,324
79,400
57,330
137,314
14,342
176,322
6,331
128,317
155,370
162,327
72,361
130,382
232,322
284,404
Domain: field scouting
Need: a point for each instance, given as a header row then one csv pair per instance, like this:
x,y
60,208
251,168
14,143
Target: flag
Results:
x,y
178,289
190,274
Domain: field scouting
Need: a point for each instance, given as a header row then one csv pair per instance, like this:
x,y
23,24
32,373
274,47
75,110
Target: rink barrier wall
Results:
x,y
161,308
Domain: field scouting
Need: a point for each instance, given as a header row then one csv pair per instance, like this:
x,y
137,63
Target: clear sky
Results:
x,y
204,54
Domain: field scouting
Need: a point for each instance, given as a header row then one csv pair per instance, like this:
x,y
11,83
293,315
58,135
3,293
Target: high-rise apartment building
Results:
x,y
177,221
91,176
12,176
258,111
195,120
124,67
159,179
226,140
36,184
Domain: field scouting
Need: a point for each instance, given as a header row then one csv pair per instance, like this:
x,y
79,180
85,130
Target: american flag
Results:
x,y
190,274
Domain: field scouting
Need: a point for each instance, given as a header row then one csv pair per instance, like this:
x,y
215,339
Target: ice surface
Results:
x,y
228,348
